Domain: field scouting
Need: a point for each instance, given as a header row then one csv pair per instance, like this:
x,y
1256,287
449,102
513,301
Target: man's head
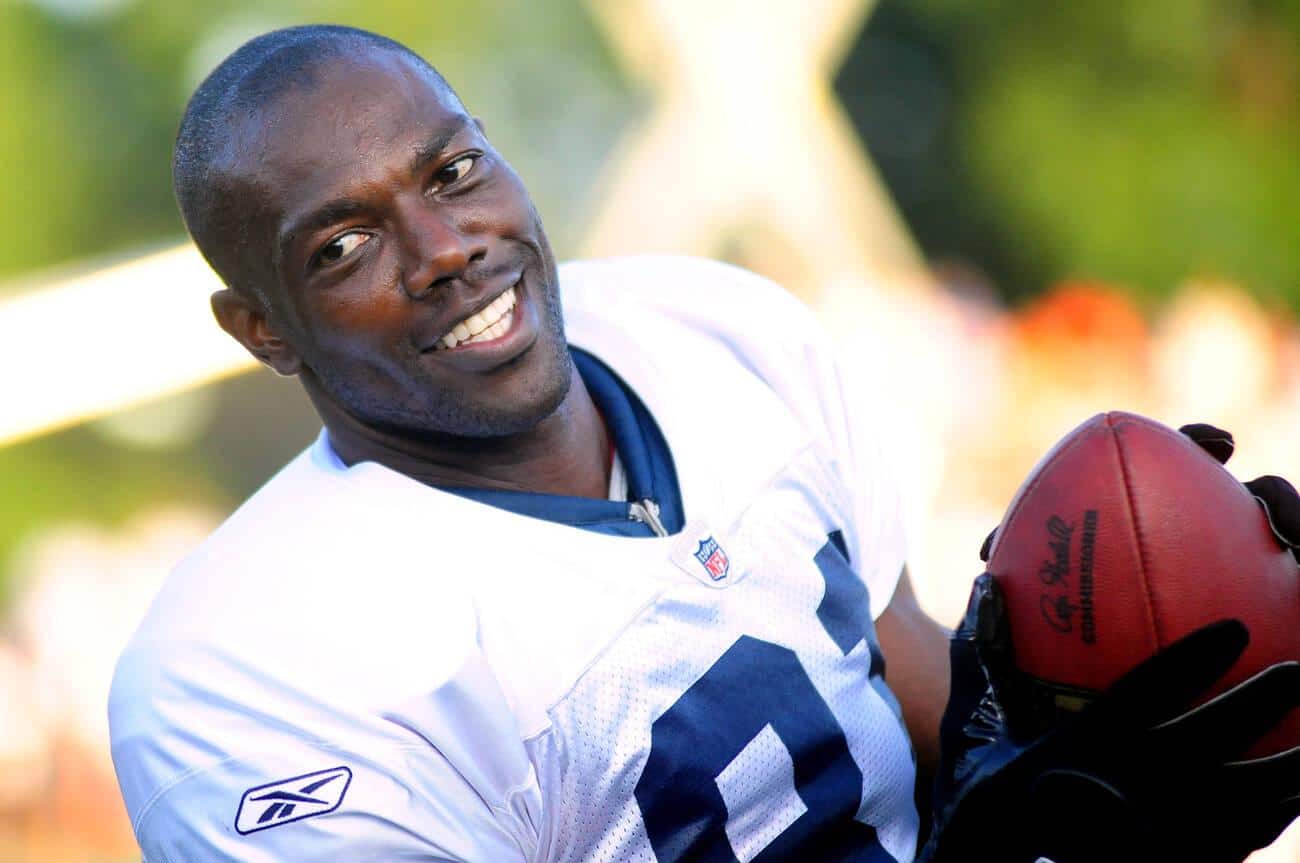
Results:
x,y
365,227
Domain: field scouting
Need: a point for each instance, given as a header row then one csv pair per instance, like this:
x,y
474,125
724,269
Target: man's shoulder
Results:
x,y
698,293
306,582
692,312
699,320
314,515
264,535
652,268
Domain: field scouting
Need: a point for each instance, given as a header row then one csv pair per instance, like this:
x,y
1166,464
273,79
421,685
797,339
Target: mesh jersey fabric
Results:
x,y
475,684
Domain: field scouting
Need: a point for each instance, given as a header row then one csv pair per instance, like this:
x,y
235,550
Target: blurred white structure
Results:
x,y
746,137
99,342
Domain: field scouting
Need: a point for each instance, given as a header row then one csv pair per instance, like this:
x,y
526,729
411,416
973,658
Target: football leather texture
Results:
x,y
1127,536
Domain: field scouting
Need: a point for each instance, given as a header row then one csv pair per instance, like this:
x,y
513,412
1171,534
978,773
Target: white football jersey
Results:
x,y
358,667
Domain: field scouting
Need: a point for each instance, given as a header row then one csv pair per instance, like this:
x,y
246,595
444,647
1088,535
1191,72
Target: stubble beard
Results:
x,y
425,416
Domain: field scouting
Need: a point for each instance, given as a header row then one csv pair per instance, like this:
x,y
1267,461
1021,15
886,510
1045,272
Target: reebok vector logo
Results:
x,y
292,799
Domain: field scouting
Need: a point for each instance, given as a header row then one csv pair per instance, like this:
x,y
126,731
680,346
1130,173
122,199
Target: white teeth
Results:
x,y
506,301
495,331
489,323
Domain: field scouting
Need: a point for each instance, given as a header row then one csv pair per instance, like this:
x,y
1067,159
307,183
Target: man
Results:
x,y
584,563
440,601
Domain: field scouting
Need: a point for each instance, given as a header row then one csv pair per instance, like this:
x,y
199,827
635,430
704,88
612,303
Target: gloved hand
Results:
x,y
1136,775
1278,497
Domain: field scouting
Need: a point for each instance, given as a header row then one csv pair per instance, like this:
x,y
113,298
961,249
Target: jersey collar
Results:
x,y
641,446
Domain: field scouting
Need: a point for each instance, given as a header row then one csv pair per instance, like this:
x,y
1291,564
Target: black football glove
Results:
x,y
1136,775
1277,496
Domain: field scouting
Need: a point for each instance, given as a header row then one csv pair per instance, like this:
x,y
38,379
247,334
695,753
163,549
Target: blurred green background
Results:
x,y
1137,142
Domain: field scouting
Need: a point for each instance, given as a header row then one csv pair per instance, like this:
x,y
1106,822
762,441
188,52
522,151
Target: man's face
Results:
x,y
412,275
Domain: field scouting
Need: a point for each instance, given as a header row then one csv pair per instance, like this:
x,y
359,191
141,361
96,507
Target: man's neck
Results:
x,y
567,453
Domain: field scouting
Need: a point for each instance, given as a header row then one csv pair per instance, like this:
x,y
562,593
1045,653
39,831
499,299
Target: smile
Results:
x,y
486,324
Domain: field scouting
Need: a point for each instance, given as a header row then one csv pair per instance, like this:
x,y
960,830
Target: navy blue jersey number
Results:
x,y
753,685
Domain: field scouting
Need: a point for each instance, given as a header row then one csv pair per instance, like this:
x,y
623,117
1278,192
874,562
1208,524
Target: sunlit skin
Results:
x,y
387,217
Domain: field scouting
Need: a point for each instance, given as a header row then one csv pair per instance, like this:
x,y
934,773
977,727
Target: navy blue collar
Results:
x,y
641,447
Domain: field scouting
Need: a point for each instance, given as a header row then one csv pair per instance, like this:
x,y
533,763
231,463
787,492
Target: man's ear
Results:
x,y
246,321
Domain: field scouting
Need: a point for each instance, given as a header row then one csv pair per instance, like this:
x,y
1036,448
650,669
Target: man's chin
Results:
x,y
446,412
511,415
518,417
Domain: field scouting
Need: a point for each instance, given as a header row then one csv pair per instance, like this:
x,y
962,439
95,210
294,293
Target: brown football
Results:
x,y
1127,536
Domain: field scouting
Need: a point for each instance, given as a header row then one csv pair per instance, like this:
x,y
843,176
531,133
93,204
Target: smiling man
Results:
x,y
593,562
584,563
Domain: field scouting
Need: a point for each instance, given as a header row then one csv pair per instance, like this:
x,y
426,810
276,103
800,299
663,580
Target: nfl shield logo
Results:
x,y
714,558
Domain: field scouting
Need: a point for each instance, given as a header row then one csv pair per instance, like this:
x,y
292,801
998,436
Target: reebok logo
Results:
x,y
292,799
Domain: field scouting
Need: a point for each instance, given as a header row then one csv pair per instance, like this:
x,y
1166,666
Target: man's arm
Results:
x,y
916,669
918,672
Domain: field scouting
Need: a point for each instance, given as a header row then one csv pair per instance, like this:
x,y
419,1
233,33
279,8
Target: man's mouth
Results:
x,y
488,323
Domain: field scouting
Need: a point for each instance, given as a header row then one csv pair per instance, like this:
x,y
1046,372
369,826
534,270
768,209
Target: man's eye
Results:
x,y
455,170
340,247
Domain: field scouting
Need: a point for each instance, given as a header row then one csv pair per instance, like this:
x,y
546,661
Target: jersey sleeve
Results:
x,y
775,335
390,803
844,412
264,777
877,500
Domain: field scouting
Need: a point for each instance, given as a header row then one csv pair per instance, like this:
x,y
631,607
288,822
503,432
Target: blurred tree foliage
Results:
x,y
1141,142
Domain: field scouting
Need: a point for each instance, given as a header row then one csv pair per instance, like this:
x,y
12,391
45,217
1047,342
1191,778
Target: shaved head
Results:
x,y
358,216
216,201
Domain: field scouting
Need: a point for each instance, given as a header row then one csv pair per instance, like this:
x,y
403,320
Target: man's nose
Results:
x,y
436,252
